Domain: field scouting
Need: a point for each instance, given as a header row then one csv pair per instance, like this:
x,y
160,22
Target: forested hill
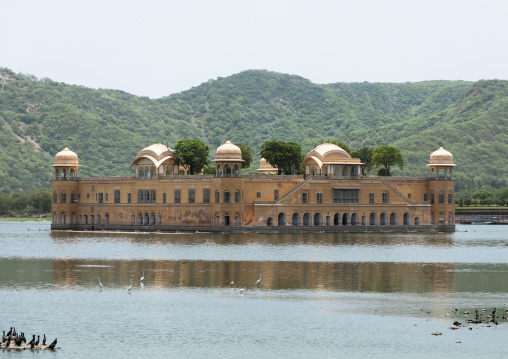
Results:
x,y
106,128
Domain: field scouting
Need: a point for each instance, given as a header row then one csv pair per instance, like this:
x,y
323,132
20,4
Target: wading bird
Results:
x,y
258,281
100,282
130,287
142,277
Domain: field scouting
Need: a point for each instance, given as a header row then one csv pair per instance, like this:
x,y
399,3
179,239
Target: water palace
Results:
x,y
333,196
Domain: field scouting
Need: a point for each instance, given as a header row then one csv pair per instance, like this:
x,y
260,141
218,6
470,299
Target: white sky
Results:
x,y
155,48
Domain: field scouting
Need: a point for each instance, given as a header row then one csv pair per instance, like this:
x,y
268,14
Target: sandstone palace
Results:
x,y
333,196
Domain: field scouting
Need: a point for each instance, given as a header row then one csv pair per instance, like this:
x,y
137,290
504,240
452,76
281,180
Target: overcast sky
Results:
x,y
156,48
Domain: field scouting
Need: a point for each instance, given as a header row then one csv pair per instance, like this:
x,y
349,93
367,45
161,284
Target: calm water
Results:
x,y
321,295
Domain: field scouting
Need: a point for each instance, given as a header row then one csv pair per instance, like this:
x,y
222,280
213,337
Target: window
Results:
x,y
192,195
258,194
440,198
346,196
141,196
93,189
385,197
73,197
177,195
91,209
432,198
275,194
371,197
88,195
237,197
206,195
79,195
101,197
217,197
55,198
450,198
152,196
319,198
304,197
128,198
107,197
163,198
147,196
226,196
425,197
409,195
63,197
117,196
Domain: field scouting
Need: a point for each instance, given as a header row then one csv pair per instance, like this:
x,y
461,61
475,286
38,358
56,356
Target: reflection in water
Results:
x,y
342,276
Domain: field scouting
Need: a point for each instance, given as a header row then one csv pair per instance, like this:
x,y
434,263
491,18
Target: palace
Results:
x,y
333,196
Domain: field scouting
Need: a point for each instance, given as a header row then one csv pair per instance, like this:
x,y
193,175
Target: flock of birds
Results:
x,y
493,317
14,340
129,288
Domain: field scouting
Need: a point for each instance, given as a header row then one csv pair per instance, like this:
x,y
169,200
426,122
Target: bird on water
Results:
x,y
242,290
52,345
142,277
258,281
100,281
130,287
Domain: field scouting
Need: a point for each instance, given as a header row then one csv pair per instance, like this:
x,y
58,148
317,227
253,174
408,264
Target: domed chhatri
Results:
x,y
329,159
266,167
441,164
228,160
66,164
155,159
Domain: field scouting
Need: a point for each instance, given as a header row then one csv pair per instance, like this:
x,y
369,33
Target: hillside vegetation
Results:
x,y
106,128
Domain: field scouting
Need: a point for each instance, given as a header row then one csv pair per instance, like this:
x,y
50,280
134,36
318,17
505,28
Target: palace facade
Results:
x,y
333,196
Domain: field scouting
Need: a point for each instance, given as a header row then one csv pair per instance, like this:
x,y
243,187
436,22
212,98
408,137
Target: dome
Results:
x,y
229,151
266,167
66,158
156,153
329,149
441,156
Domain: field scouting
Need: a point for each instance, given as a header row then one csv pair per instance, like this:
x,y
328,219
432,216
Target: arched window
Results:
x,y
318,219
393,219
407,221
336,219
306,219
270,221
140,218
354,219
152,218
383,220
373,219
145,219
295,220
282,219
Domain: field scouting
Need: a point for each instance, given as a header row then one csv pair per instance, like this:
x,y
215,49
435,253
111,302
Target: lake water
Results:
x,y
320,296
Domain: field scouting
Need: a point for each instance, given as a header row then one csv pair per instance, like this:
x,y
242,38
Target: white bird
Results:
x,y
130,287
232,284
242,290
143,277
258,281
100,282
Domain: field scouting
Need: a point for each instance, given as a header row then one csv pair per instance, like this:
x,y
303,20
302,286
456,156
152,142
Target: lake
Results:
x,y
323,295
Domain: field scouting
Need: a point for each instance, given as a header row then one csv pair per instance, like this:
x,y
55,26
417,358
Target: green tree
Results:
x,y
502,196
365,155
386,157
191,154
246,154
209,170
285,156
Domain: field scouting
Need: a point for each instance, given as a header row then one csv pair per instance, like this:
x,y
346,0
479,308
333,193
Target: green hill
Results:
x,y
106,128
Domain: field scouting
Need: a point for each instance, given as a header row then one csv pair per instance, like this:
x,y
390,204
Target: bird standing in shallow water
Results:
x,y
258,281
142,277
130,287
100,282
242,290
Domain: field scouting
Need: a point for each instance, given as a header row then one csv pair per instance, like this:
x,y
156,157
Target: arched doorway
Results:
x,y
406,219
270,221
106,218
282,219
152,218
450,219
354,219
393,219
417,221
383,219
345,219
373,219
318,219
295,221
336,219
145,219
306,219
140,218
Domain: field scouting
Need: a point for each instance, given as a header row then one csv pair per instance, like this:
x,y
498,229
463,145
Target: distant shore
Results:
x,y
25,219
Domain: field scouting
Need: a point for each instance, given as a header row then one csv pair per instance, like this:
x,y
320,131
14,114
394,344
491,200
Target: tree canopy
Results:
x,y
192,154
285,156
246,154
365,155
386,157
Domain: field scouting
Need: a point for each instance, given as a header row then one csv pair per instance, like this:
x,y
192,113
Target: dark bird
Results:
x,y
44,340
32,345
32,341
23,337
9,333
8,342
14,331
3,336
37,341
52,345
